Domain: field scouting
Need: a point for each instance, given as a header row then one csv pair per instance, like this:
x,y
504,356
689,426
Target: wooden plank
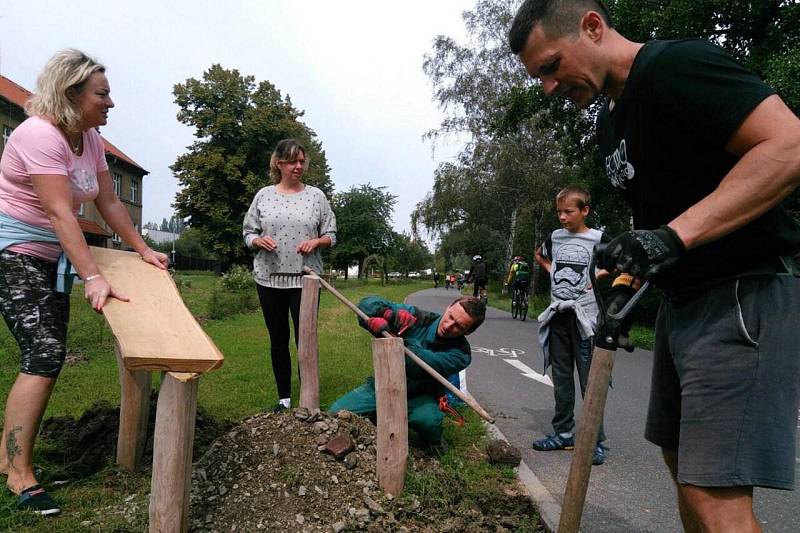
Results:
x,y
134,414
155,330
307,351
392,413
172,455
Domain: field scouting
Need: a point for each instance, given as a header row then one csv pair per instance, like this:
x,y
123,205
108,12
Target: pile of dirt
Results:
x,y
276,472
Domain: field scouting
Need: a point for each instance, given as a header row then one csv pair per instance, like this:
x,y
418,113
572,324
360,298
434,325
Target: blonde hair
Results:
x,y
581,195
286,150
66,70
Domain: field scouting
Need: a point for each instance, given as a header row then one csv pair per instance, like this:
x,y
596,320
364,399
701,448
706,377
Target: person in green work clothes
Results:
x,y
439,340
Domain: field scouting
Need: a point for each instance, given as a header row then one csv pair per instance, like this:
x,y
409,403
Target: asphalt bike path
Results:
x,y
632,491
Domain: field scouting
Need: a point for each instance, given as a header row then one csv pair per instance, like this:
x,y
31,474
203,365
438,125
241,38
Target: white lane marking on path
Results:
x,y
528,372
501,352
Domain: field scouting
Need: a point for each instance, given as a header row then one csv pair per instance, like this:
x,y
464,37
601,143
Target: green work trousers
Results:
x,y
424,415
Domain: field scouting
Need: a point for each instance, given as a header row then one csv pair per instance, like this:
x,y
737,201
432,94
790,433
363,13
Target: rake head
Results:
x,y
285,280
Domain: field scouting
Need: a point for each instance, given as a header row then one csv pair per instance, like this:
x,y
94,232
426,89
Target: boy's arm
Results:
x,y
541,260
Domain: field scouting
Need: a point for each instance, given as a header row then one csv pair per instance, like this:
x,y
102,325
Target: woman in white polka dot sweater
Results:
x,y
287,225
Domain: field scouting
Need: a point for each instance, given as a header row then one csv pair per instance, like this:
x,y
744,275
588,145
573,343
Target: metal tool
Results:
x,y
594,402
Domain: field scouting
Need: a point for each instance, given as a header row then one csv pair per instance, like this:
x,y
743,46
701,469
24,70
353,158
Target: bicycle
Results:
x,y
519,304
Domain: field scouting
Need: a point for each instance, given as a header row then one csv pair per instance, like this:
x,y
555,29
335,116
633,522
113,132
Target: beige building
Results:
x,y
127,175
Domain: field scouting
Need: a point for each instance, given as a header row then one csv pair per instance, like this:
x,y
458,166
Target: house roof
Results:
x,y
90,226
18,95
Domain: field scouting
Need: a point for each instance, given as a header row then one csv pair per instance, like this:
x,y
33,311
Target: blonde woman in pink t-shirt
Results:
x,y
53,162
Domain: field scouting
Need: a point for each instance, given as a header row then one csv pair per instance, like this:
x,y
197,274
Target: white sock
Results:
x,y
286,402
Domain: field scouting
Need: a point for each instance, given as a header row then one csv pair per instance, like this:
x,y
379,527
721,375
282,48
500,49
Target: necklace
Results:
x,y
77,146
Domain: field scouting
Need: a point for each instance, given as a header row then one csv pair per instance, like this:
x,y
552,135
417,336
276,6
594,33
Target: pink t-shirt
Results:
x,y
38,147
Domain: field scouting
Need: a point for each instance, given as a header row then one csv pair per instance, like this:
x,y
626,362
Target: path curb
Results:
x,y
549,509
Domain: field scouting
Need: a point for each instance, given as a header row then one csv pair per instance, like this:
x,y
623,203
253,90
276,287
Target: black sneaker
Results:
x,y
279,407
37,500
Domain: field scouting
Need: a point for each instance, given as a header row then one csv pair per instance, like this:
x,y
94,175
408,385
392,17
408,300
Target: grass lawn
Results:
x,y
242,386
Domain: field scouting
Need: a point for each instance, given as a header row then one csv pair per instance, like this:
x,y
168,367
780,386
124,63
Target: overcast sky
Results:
x,y
353,66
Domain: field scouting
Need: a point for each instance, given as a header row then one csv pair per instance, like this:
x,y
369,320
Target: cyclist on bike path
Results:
x,y
478,275
519,275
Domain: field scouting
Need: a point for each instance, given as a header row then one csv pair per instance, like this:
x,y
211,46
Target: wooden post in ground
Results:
x,y
388,359
134,414
307,350
172,453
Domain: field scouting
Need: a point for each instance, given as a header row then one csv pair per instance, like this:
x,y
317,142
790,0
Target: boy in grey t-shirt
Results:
x,y
567,325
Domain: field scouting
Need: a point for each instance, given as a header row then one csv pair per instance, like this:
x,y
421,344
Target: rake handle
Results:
x,y
465,397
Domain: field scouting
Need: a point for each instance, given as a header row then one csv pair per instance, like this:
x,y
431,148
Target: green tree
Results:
x,y
407,254
363,225
237,124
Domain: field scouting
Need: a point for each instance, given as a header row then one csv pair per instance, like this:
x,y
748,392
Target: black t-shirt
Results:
x,y
663,147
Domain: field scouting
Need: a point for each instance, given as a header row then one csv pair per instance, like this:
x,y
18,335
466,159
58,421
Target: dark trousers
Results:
x,y
477,285
277,304
567,352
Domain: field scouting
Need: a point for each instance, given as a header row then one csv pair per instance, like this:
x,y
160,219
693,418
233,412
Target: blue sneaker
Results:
x,y
599,455
554,442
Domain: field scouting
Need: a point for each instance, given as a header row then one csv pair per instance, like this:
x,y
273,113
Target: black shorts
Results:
x,y
36,315
726,381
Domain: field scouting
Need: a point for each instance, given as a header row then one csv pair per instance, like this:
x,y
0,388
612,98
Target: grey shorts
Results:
x,y
726,375
36,315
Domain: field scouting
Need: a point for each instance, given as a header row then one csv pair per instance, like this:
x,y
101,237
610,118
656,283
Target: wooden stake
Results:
x,y
594,403
307,350
392,413
134,414
172,455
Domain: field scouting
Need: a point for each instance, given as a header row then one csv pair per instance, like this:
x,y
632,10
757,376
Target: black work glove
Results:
x,y
642,253
615,301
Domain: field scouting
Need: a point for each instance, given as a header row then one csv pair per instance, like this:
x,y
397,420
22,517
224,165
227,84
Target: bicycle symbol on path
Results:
x,y
499,352
510,356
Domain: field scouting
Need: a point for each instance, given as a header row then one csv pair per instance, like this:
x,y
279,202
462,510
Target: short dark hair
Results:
x,y
475,308
558,18
573,191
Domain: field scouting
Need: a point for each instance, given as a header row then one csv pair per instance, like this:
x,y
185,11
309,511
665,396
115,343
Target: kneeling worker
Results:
x,y
436,339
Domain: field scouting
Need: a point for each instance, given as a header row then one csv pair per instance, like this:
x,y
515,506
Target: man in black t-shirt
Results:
x,y
703,152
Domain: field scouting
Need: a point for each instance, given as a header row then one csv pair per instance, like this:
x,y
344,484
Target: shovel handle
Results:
x,y
591,416
465,397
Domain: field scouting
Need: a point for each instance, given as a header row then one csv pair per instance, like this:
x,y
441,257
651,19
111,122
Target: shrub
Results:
x,y
224,303
238,279
235,293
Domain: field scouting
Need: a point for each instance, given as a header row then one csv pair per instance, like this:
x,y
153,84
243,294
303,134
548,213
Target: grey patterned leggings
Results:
x,y
36,315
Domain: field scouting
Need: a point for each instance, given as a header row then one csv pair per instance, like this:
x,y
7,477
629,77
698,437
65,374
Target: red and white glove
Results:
x,y
401,320
377,325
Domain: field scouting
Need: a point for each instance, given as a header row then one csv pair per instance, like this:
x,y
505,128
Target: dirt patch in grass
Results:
x,y
272,473
86,445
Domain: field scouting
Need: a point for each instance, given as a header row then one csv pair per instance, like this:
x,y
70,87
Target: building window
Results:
x,y
115,237
82,210
6,134
134,191
117,179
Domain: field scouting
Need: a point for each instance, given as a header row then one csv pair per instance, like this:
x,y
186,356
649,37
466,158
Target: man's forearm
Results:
x,y
760,180
768,144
